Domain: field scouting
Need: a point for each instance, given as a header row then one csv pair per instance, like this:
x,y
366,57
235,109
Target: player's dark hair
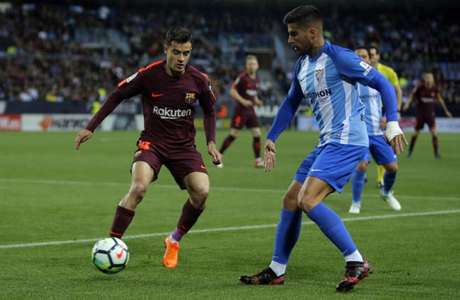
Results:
x,y
303,14
179,35
373,47
362,47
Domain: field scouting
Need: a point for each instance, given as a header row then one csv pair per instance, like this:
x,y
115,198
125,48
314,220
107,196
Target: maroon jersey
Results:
x,y
247,88
168,104
426,97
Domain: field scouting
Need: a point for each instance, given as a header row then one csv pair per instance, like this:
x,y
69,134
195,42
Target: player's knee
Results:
x,y
307,201
290,201
138,190
362,167
199,192
393,168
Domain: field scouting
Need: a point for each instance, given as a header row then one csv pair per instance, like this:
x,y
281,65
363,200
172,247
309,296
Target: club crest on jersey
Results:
x,y
319,74
190,98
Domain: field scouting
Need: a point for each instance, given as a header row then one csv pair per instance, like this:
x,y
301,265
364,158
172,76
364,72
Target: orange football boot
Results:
x,y
171,255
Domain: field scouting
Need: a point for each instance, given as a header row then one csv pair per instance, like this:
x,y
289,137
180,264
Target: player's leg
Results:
x,y
189,171
259,163
419,122
357,186
286,236
380,172
434,137
287,231
391,169
197,185
235,128
331,171
142,176
311,197
384,155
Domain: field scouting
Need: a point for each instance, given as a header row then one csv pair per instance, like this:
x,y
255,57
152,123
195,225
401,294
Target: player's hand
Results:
x,y
269,155
258,102
448,114
82,137
214,153
395,137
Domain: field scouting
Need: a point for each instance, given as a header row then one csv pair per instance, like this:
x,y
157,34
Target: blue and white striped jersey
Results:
x,y
328,81
373,103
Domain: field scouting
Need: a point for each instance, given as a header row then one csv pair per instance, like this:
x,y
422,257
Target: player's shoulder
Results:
x,y
197,74
152,67
342,58
337,52
385,69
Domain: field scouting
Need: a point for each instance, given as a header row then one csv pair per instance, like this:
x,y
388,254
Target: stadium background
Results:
x,y
65,57
59,59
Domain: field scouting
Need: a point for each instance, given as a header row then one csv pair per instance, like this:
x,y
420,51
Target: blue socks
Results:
x,y
357,185
287,234
332,226
388,181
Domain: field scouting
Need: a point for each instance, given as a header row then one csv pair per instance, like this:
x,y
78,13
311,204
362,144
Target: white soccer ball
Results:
x,y
110,255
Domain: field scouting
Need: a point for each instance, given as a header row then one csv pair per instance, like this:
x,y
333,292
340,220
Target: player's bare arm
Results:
x,y
409,100
214,153
258,101
444,107
269,155
82,136
234,93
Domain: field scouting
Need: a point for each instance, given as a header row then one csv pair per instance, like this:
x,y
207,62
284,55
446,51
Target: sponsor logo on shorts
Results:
x,y
169,113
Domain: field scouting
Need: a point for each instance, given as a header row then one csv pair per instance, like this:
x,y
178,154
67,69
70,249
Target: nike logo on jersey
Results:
x,y
156,95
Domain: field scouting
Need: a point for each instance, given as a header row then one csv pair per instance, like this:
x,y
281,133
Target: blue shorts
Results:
x,y
380,150
333,163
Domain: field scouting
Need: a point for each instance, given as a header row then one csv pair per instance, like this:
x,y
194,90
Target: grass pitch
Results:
x,y
51,193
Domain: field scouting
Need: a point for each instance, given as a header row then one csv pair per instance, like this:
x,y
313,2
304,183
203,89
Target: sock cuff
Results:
x,y
125,210
288,213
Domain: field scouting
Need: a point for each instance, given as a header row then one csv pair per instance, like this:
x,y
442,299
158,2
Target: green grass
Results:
x,y
50,192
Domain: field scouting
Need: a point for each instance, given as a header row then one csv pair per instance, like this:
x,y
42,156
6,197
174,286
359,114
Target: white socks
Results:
x,y
278,268
355,256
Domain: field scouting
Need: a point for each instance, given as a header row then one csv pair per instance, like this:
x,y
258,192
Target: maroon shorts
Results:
x,y
179,161
421,120
245,119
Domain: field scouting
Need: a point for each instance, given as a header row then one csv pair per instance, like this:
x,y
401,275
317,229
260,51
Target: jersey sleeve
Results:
x,y
207,100
129,87
237,81
351,66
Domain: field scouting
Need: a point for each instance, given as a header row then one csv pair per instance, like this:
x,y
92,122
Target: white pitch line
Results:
x,y
234,228
170,186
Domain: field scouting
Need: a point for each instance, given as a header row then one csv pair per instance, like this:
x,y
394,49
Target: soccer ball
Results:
x,y
110,255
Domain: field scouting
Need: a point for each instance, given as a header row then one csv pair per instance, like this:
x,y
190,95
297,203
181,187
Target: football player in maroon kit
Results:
x,y
426,95
244,91
171,92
